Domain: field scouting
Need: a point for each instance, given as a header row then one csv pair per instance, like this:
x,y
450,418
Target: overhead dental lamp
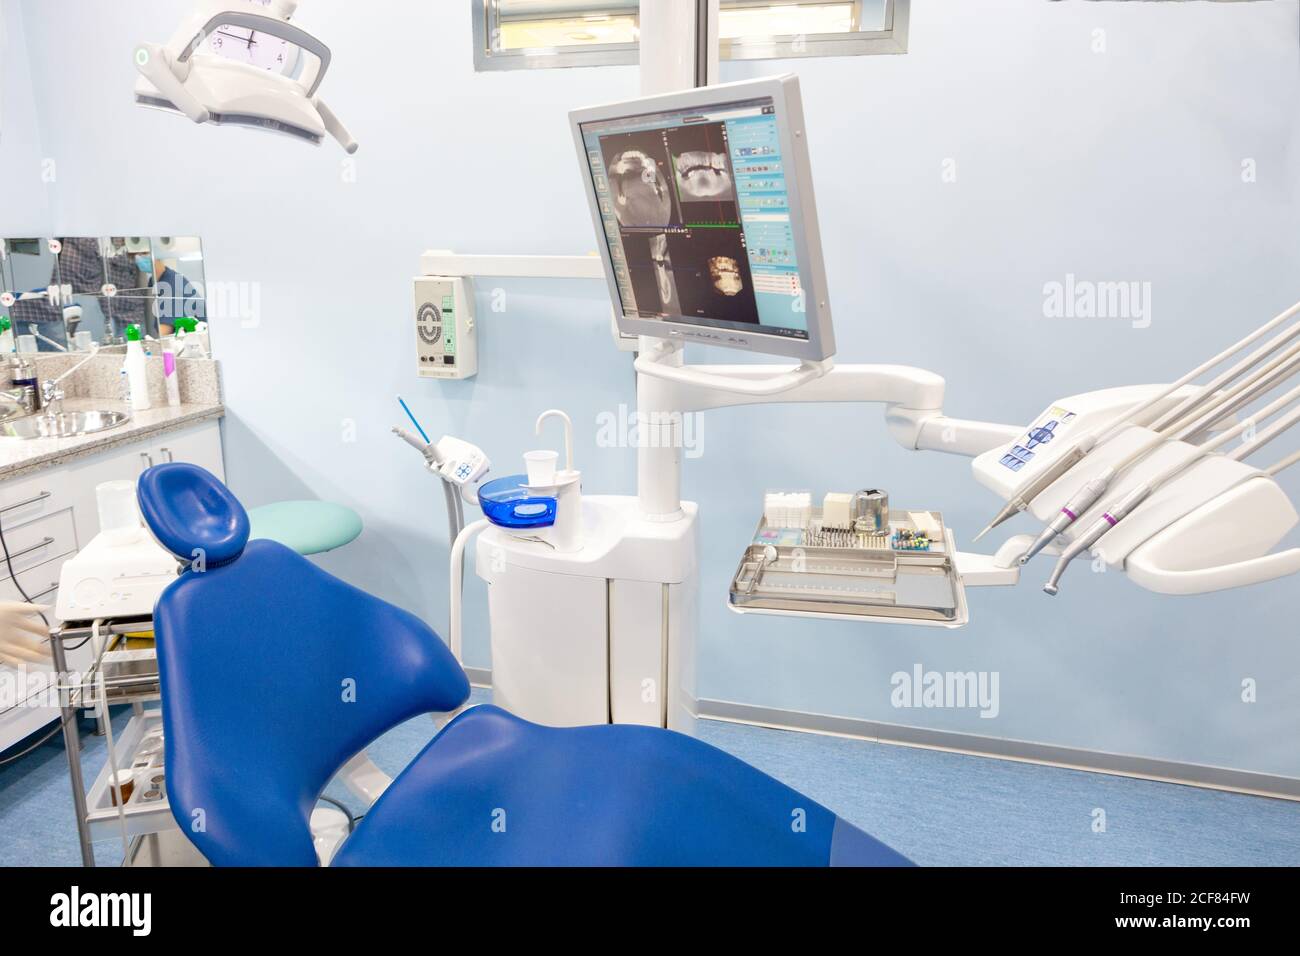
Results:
x,y
241,63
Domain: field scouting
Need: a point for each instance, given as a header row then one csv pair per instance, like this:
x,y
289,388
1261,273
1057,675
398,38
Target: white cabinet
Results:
x,y
47,516
200,446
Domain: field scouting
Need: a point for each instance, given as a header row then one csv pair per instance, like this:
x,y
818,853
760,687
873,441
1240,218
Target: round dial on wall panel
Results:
x,y
428,323
253,47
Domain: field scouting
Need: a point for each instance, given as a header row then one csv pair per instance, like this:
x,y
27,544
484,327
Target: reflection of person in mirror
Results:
x,y
176,296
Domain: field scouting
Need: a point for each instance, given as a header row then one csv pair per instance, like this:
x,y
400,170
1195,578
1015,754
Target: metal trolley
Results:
x,y
119,675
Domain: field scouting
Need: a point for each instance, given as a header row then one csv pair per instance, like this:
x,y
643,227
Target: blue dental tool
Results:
x,y
406,408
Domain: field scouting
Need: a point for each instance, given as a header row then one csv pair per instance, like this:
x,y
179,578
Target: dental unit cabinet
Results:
x,y
603,627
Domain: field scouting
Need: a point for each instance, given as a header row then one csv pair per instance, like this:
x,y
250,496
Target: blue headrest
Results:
x,y
189,510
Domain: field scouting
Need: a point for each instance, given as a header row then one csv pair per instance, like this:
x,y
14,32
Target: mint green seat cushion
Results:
x,y
307,527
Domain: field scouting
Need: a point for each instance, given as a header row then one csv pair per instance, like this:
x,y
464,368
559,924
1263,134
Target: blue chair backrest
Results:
x,y
274,673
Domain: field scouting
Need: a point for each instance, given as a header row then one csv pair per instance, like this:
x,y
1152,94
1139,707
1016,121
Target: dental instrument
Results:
x,y
1223,411
184,76
1260,439
1177,428
409,414
617,616
1115,513
1087,442
1212,388
1263,379
1284,464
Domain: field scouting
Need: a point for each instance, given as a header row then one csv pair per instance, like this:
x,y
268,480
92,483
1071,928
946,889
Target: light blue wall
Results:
x,y
24,209
1123,164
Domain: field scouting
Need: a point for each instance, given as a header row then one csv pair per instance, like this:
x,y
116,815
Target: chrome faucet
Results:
x,y
52,394
52,397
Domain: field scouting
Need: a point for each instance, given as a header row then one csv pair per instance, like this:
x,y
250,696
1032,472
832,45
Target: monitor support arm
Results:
x,y
667,389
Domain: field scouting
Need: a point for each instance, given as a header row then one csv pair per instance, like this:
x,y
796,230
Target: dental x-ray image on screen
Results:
x,y
712,274
639,179
650,270
695,210
703,174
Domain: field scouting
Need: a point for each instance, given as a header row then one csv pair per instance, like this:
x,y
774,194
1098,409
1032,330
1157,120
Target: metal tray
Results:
x,y
868,583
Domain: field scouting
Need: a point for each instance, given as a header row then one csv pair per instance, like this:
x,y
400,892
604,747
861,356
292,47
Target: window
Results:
x,y
538,34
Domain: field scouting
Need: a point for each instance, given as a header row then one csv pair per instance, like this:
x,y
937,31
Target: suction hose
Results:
x,y
457,582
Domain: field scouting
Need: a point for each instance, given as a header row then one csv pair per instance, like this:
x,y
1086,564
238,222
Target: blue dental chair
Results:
x,y
274,673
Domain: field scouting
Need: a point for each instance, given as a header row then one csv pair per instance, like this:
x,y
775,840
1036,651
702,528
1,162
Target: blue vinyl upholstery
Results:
x,y
495,790
274,673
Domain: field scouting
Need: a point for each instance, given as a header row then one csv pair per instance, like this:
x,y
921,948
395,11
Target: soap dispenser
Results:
x,y
137,370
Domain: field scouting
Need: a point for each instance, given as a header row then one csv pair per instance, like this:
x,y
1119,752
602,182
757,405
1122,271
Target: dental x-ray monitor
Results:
x,y
705,203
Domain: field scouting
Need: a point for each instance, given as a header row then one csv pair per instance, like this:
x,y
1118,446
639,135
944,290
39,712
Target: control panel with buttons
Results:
x,y
446,341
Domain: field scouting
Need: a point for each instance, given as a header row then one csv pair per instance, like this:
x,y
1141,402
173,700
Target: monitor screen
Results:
x,y
695,210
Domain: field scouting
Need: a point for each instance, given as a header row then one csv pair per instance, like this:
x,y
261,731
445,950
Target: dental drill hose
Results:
x,y
1130,501
455,514
1112,517
1180,430
1102,433
457,583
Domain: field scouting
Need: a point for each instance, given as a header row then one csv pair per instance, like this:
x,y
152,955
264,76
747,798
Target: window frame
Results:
x,y
891,40
541,58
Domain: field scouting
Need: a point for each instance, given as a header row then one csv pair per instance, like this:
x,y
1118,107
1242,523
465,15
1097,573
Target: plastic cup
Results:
x,y
119,514
541,466
26,343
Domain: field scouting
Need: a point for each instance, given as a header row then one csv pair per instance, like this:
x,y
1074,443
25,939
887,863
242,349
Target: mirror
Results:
x,y
77,290
31,296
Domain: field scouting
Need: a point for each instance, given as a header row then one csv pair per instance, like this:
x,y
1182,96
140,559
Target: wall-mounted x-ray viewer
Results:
x,y
704,200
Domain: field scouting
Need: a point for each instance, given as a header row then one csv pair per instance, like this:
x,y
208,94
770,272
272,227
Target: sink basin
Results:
x,y
62,425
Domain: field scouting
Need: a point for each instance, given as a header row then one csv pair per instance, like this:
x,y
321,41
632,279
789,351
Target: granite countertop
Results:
x,y
23,456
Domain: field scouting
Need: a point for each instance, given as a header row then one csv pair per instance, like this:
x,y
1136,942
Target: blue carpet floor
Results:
x,y
938,808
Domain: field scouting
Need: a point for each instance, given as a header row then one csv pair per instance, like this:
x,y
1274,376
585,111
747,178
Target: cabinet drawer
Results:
x,y
25,499
41,583
38,541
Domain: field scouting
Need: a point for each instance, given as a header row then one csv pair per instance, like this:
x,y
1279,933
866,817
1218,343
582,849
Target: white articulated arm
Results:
x,y
666,388
168,77
913,397
334,127
757,381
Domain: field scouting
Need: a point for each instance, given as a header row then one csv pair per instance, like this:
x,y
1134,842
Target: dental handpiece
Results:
x,y
1106,431
410,439
1083,499
1130,501
1032,490
429,451
1113,516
